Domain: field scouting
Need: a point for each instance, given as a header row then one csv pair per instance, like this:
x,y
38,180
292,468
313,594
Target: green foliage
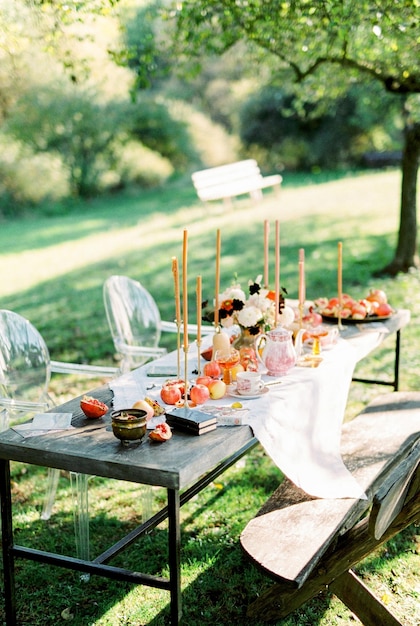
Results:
x,y
335,134
153,125
304,36
75,126
141,51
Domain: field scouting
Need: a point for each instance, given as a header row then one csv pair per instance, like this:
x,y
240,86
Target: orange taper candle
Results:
x,y
277,272
185,288
266,246
216,306
199,301
175,273
340,274
301,277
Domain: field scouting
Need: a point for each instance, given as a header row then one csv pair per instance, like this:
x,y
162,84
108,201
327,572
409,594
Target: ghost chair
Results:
x,y
25,373
135,322
136,327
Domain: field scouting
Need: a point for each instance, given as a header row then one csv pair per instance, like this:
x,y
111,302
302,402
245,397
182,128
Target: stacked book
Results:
x,y
191,421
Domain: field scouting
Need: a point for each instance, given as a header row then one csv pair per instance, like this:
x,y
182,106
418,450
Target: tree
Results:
x,y
83,132
319,44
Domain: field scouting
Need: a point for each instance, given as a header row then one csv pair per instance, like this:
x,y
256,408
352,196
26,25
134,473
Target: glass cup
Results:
x,y
227,359
322,337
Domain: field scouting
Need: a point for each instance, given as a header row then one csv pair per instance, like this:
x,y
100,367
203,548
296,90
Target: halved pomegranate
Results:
x,y
162,432
92,407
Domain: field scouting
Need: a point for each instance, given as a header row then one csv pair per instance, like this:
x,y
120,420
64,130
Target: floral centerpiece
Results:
x,y
253,312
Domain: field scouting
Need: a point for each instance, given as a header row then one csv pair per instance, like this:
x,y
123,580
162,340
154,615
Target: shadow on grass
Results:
x,y
223,582
84,218
68,309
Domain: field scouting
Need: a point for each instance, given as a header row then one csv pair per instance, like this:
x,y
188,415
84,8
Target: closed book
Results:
x,y
191,418
176,423
191,431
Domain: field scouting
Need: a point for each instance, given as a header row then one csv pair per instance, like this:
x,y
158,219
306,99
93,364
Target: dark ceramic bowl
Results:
x,y
129,425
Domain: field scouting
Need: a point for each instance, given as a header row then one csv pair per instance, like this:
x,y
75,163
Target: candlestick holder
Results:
x,y
178,348
198,341
186,377
301,306
339,318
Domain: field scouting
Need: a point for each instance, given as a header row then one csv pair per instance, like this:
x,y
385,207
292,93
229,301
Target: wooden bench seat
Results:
x,y
307,544
235,179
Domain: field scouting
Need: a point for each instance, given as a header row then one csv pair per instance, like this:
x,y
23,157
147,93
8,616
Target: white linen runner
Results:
x,y
299,421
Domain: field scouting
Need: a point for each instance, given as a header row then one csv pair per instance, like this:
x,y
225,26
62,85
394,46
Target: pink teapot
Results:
x,y
279,354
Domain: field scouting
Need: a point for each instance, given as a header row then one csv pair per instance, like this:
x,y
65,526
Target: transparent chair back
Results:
x,y
25,373
134,321
25,370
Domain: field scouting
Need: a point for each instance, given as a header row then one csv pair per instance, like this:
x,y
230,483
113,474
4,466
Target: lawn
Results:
x,y
53,269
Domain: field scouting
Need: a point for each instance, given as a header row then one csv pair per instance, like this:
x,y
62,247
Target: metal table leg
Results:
x,y
390,383
7,544
174,548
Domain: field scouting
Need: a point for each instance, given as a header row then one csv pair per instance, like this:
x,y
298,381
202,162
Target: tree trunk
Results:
x,y
406,254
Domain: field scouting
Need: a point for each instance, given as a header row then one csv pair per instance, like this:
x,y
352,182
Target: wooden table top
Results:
x,y
91,448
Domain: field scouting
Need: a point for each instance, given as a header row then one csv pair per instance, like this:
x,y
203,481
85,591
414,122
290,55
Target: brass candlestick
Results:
x,y
185,378
198,357
301,315
178,349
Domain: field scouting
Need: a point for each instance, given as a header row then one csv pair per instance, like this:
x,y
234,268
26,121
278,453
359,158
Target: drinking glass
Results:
x,y
316,335
227,359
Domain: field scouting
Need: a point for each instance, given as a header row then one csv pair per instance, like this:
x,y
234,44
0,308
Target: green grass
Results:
x,y
52,272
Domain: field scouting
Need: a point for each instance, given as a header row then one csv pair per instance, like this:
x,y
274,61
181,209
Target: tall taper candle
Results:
x,y
277,273
266,246
175,273
340,274
185,288
216,306
301,277
199,301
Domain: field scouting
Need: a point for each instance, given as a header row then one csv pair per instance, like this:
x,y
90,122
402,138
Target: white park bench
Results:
x,y
229,181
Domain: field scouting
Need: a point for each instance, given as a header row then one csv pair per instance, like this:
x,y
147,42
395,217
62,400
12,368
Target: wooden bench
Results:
x,y
228,181
309,544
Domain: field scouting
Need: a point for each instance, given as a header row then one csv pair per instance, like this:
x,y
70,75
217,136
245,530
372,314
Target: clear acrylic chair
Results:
x,y
135,323
136,327
25,373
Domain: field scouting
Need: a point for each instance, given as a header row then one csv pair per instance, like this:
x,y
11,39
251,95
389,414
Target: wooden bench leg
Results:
x,y
368,608
278,602
282,598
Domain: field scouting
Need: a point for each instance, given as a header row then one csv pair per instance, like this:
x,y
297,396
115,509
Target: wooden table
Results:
x,y
184,466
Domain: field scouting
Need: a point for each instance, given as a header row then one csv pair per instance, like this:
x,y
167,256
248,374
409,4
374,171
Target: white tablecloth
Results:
x,y
298,422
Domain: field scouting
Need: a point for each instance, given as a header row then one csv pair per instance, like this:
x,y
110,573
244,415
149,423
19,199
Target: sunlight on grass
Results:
x,y
53,271
96,240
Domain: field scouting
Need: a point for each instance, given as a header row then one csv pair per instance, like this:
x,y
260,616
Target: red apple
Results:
x,y
212,369
170,394
332,303
312,317
203,380
358,311
199,394
384,309
377,295
217,389
176,382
